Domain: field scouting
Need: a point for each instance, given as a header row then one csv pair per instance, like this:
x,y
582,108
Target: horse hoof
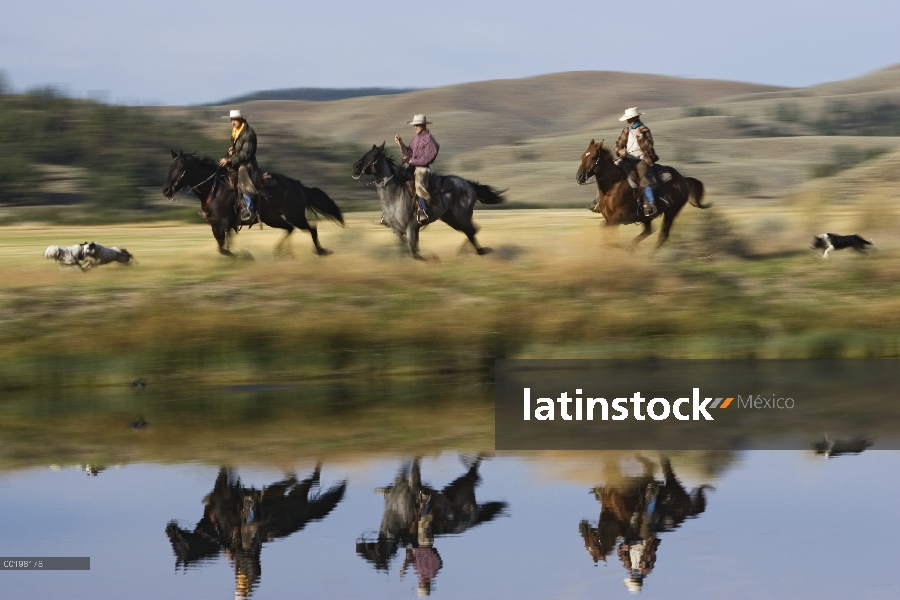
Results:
x,y
483,251
323,252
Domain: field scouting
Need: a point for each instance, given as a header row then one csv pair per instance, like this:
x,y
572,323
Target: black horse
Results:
x,y
238,520
284,206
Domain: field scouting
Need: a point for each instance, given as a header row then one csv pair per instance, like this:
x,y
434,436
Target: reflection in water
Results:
x,y
238,520
831,448
414,514
633,512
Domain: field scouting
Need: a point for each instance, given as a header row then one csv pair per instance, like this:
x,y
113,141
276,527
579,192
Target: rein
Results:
x,y
594,166
375,181
192,187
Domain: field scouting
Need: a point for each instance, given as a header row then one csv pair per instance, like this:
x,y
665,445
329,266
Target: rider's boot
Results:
x,y
421,210
649,202
246,208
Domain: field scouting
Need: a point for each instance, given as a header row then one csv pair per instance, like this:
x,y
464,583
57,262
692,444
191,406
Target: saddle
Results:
x,y
437,184
664,175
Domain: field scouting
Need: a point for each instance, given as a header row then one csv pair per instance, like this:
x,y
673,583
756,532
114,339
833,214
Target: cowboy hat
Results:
x,y
630,113
419,120
235,114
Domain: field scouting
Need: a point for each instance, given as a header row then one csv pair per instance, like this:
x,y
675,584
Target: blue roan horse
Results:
x,y
453,199
284,207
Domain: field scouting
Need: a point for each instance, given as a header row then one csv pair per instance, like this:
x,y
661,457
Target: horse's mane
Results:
x,y
209,162
391,162
607,152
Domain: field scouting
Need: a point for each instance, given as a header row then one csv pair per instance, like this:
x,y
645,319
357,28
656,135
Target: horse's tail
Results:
x,y
321,204
695,192
486,194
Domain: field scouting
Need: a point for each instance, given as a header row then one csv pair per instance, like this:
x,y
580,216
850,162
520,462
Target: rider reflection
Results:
x,y
237,521
414,514
632,514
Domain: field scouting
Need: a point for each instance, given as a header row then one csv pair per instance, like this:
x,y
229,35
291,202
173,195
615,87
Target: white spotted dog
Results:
x,y
67,256
96,255
833,241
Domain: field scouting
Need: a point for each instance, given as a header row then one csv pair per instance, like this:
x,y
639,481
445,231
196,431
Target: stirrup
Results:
x,y
421,217
650,209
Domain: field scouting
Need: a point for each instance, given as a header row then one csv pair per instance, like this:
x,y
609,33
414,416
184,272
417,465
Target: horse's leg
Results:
x,y
287,233
302,223
668,218
465,225
221,237
412,234
315,238
648,229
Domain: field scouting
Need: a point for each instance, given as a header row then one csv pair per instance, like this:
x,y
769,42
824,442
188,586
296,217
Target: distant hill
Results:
x,y
314,94
748,143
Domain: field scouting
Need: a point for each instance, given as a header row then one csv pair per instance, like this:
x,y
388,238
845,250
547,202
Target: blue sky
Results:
x,y
184,51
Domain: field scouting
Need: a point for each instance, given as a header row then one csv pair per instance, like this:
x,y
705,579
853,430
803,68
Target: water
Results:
x,y
317,491
777,524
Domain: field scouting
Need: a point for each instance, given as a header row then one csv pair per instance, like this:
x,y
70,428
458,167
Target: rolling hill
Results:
x,y
750,144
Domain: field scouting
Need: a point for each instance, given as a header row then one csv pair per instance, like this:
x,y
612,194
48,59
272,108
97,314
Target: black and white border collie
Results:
x,y
833,241
96,255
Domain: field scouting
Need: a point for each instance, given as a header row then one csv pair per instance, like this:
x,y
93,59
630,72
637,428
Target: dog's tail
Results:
x,y
51,252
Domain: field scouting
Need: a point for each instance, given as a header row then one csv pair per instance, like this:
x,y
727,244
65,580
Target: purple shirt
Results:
x,y
428,563
422,150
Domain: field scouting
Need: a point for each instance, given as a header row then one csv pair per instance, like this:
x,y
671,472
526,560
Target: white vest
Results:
x,y
633,148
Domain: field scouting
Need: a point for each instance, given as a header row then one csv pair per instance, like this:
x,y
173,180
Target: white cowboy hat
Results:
x,y
634,585
235,114
419,120
630,113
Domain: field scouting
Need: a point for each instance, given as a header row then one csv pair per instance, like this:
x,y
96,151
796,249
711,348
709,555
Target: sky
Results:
x,y
179,52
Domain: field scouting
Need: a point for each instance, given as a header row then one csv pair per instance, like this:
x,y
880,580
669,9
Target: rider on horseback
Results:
x,y
635,146
420,153
242,156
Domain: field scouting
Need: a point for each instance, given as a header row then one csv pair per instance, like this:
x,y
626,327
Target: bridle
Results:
x,y
592,172
193,188
375,181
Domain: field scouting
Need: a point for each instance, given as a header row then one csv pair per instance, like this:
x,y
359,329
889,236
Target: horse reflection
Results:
x,y
237,521
414,514
632,514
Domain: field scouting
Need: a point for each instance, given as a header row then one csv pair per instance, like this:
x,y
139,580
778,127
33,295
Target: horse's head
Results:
x,y
366,164
175,180
590,160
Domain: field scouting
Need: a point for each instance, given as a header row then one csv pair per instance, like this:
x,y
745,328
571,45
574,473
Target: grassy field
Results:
x,y
731,282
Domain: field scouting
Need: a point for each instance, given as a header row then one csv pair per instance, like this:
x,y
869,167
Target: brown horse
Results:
x,y
620,204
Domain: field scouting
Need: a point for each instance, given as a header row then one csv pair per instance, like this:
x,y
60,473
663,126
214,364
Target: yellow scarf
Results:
x,y
236,132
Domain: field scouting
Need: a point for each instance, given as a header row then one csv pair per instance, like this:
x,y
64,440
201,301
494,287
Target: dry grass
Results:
x,y
556,286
